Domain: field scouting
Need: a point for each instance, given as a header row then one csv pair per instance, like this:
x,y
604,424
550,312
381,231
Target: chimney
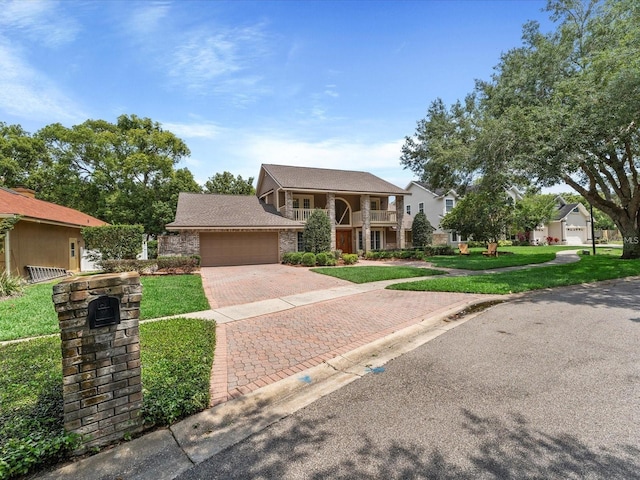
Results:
x,y
27,192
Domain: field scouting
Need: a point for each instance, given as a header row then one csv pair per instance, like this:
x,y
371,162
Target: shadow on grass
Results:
x,y
506,448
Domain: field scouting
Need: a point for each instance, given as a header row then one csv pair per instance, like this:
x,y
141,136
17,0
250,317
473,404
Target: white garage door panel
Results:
x,y
238,248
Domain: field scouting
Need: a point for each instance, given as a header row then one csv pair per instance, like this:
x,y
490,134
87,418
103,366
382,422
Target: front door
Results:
x,y
74,264
343,241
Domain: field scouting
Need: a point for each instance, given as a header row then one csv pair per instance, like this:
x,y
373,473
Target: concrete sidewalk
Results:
x,y
315,364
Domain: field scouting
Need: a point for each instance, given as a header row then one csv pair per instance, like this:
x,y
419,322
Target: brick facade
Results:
x,y
102,390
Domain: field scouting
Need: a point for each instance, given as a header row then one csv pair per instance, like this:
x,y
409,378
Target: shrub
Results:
x,y
113,242
350,258
434,250
421,230
337,254
321,259
170,265
10,284
316,235
505,243
286,258
309,259
152,249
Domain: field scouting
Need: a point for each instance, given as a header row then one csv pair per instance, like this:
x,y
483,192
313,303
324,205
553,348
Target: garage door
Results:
x,y
238,248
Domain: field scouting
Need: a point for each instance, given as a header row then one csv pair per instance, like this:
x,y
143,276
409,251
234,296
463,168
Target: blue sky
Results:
x,y
312,83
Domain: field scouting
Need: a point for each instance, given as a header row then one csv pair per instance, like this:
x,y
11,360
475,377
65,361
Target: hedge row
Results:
x,y
321,259
146,267
410,254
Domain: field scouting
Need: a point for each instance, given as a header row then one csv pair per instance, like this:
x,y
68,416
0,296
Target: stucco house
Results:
x,y
571,225
245,230
47,235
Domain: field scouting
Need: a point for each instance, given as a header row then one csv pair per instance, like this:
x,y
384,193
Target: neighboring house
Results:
x,y
245,230
47,235
435,203
571,225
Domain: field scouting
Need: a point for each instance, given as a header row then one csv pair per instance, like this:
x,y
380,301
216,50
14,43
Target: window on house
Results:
x,y
360,240
300,242
421,207
376,240
296,203
448,205
306,203
408,209
576,210
375,204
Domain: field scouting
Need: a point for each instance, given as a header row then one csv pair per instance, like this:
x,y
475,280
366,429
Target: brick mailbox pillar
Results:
x,y
102,391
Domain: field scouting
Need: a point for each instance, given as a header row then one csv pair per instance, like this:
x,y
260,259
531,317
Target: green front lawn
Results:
x,y
33,314
176,354
514,256
588,269
368,274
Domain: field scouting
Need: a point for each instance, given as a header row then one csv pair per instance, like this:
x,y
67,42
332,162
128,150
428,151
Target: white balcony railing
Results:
x,y
301,214
377,217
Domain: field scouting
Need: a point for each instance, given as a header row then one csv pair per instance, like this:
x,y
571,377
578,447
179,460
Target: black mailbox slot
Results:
x,y
104,311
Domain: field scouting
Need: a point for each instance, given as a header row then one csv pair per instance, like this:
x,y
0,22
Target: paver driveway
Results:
x,y
226,286
254,352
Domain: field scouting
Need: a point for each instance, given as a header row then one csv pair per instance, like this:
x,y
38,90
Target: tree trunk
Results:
x,y
630,242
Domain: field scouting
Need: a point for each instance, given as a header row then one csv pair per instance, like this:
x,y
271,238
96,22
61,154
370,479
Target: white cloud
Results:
x,y
339,153
220,62
193,130
26,93
147,18
38,20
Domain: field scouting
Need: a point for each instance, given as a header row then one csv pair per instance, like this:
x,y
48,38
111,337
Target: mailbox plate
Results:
x,y
104,311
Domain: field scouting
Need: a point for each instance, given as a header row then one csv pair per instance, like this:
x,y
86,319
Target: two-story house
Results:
x,y
435,203
245,230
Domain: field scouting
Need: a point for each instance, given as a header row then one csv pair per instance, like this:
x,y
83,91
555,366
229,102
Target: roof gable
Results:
x,y
14,203
203,210
327,180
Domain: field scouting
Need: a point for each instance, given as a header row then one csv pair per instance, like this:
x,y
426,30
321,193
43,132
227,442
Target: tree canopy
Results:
x,y
226,183
123,172
531,210
562,108
482,215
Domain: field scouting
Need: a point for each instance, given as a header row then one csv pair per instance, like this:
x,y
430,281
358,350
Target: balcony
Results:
x,y
377,218
302,214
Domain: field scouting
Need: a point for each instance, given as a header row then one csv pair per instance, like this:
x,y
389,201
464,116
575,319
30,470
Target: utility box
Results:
x,y
102,389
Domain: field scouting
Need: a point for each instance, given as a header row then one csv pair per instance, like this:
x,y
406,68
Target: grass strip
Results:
x,y
33,314
366,274
165,295
589,269
177,355
29,314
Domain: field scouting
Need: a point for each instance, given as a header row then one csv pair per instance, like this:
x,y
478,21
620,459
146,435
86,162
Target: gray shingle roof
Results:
x,y
324,179
201,210
564,210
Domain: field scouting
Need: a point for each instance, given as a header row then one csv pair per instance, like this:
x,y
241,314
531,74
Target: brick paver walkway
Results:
x,y
254,352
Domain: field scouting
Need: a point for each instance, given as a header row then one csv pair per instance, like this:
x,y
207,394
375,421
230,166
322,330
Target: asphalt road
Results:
x,y
547,386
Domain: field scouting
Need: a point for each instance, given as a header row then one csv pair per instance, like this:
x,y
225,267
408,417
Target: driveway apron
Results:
x,y
254,352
